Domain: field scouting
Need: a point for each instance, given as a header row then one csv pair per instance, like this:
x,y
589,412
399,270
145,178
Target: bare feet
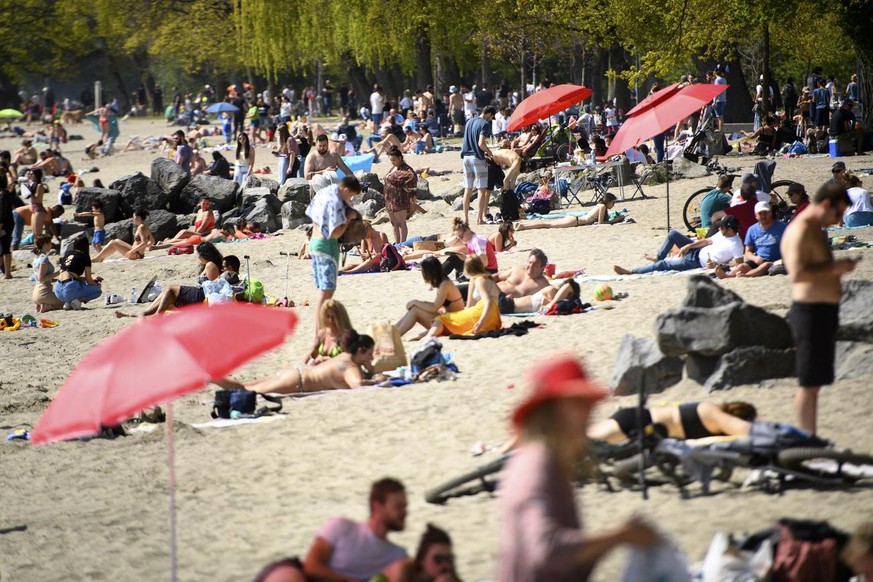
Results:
x,y
519,226
719,272
620,270
650,257
119,315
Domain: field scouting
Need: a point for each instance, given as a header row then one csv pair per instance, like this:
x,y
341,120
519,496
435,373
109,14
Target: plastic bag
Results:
x,y
723,564
217,291
660,563
388,353
154,292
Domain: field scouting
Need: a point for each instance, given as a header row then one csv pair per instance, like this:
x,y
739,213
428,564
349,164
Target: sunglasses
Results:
x,y
440,559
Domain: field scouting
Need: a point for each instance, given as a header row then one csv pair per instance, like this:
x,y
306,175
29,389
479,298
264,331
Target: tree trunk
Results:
x,y
739,100
597,62
865,86
423,69
620,87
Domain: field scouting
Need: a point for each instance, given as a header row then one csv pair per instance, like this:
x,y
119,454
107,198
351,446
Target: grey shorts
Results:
x,y
475,173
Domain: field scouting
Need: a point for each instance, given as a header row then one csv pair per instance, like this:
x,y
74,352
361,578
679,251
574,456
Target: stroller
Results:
x,y
558,144
707,141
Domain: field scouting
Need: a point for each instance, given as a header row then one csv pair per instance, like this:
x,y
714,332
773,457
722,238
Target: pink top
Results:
x,y
540,532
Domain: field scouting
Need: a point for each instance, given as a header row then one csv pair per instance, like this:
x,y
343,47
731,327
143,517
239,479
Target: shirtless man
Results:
x,y
25,155
321,165
512,160
522,280
815,295
456,105
24,215
339,373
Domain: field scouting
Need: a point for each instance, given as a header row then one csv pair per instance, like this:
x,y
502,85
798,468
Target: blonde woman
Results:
x,y
481,313
333,322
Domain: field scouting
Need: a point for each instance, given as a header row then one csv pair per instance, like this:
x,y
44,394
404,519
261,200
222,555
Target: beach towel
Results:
x,y
357,163
517,329
607,278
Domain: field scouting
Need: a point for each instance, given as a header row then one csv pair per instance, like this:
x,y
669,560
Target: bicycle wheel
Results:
x,y
467,484
691,211
781,211
829,463
627,470
562,153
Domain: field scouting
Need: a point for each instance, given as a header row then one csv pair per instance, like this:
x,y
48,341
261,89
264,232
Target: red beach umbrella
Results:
x,y
154,361
545,103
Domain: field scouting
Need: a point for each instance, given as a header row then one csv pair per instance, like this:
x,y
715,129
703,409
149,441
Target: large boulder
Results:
x,y
458,204
689,169
699,368
251,195
296,189
854,359
141,192
256,181
163,224
371,179
121,230
72,241
704,292
368,196
368,209
68,229
170,176
750,365
265,213
453,195
640,365
293,215
222,193
718,330
422,190
856,311
111,200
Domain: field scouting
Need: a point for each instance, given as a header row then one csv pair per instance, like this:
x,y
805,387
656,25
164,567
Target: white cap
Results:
x,y
762,207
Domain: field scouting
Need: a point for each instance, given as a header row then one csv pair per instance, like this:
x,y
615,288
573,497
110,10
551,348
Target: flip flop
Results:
x,y
47,323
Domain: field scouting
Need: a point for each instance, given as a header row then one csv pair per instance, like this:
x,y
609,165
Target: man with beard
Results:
x,y
347,550
321,165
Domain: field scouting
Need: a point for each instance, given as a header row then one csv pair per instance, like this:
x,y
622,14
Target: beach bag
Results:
x,y
243,402
388,353
429,354
391,259
797,148
509,206
253,291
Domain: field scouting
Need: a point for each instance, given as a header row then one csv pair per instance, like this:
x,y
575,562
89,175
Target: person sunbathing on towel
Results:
x,y
598,215
541,301
339,373
225,233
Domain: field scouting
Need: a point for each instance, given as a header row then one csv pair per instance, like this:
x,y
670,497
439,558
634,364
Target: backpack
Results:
x,y
253,291
391,259
539,206
808,551
509,206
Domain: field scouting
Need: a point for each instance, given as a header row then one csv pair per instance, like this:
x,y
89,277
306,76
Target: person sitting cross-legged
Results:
x,y
721,248
762,246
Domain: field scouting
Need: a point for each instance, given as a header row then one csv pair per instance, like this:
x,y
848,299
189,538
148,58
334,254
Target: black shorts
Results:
x,y
627,420
505,304
814,326
6,241
822,116
189,295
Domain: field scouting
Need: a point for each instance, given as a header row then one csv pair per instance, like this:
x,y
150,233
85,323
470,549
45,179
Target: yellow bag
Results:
x,y
388,353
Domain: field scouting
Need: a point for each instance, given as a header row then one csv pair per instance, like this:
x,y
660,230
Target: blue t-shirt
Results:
x,y
714,201
721,97
474,128
766,242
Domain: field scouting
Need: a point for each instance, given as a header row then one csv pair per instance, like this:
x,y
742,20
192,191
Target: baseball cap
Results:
x,y
728,222
838,167
762,207
453,89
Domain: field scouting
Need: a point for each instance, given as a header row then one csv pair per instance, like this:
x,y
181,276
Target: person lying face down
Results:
x,y
342,372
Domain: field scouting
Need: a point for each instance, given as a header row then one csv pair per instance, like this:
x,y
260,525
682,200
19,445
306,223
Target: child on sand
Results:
x,y
99,237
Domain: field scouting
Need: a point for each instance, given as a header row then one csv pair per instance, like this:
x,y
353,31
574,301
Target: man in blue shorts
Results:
x,y
475,154
331,212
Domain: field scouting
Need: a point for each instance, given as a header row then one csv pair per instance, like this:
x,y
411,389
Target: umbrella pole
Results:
x,y
667,167
171,478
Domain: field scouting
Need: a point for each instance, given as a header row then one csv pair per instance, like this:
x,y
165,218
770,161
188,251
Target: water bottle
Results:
x,y
593,158
133,296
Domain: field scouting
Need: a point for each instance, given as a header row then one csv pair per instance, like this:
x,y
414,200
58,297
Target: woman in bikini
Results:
x,y
448,299
204,222
223,234
347,370
481,313
504,238
598,215
333,322
143,239
36,190
693,420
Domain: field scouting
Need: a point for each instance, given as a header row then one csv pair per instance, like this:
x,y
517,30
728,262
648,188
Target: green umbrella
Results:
x,y
10,114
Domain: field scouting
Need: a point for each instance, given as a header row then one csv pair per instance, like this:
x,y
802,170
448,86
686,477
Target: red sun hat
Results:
x,y
562,377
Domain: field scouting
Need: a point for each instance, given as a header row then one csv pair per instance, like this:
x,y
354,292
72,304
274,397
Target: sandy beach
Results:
x,y
251,494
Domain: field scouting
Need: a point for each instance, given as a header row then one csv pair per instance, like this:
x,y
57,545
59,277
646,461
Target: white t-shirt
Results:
x,y
860,201
470,104
609,112
722,250
737,198
377,103
356,551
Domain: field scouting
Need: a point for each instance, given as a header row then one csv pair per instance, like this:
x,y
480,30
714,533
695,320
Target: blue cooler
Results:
x,y
832,148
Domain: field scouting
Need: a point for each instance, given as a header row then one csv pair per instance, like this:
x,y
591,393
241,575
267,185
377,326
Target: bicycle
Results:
x,y
691,210
789,456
